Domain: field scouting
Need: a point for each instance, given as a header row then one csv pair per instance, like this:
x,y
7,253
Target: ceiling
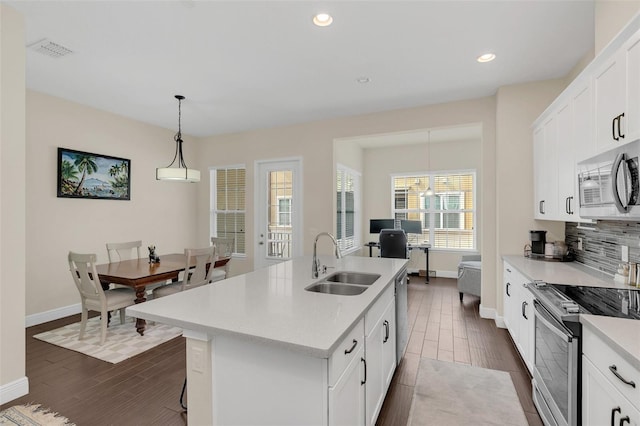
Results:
x,y
246,65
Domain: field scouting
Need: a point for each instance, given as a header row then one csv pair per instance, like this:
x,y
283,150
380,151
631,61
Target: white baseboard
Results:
x,y
487,313
53,314
500,322
13,390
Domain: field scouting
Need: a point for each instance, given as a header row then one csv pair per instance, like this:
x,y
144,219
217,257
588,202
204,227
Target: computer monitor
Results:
x,y
376,225
411,226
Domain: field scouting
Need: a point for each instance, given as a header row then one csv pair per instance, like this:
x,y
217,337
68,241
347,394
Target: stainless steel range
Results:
x,y
556,369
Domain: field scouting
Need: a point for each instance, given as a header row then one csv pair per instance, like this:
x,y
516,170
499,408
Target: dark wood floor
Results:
x,y
145,390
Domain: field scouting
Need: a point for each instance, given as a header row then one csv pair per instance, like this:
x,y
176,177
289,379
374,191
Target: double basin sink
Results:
x,y
344,283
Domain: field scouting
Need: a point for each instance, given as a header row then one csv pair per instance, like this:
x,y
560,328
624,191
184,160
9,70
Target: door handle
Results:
x,y
507,289
624,420
614,370
386,331
620,134
362,382
613,415
524,310
348,351
613,128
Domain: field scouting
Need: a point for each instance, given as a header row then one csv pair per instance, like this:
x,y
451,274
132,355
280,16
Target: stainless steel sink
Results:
x,y
361,278
336,288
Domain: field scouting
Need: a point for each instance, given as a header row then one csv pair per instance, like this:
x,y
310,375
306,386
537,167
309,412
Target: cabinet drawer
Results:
x,y
345,352
605,359
374,314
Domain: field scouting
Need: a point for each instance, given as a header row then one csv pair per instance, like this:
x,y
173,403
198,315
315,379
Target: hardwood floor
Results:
x,y
145,390
441,327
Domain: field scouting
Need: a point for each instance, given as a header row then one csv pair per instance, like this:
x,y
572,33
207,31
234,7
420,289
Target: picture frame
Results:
x,y
93,176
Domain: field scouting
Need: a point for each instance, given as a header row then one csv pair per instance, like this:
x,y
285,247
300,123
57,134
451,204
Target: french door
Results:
x,y
278,209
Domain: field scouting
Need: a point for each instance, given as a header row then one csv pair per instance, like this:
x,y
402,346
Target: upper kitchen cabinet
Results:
x,y
545,164
616,85
561,137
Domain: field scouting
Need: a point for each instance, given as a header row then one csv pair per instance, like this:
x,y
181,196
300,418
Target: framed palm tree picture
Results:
x,y
86,175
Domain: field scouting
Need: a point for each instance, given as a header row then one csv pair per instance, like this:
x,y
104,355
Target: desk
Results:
x,y
424,247
138,273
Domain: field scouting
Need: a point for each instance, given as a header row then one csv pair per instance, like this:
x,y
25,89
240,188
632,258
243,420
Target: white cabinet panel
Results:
x,y
347,396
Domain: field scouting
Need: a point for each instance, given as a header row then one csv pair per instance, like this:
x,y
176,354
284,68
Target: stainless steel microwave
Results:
x,y
608,184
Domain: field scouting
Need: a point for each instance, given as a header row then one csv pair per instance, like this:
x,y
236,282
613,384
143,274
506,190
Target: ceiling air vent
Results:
x,y
49,48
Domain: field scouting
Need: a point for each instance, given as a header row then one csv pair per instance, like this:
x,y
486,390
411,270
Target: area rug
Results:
x,y
31,415
123,341
456,394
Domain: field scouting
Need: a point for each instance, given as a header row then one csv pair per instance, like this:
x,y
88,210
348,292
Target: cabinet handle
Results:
x,y
620,121
524,310
362,382
348,351
508,270
541,206
567,205
613,129
386,331
507,289
614,370
624,420
613,414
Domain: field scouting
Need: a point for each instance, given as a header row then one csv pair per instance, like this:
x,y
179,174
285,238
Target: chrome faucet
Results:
x,y
315,266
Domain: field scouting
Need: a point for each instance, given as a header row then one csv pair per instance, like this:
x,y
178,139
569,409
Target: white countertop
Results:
x,y
620,333
623,335
569,273
271,305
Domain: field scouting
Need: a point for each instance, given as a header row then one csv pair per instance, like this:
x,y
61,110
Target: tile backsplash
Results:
x,y
602,243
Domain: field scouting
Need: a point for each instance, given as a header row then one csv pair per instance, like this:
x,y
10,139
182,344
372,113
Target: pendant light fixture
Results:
x,y
429,192
181,172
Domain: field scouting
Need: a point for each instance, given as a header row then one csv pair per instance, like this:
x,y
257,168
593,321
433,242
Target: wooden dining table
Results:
x,y
139,273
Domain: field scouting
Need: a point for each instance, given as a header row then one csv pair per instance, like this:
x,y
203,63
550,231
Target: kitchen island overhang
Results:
x,y
269,317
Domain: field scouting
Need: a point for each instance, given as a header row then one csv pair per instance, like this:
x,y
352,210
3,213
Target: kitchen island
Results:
x,y
263,350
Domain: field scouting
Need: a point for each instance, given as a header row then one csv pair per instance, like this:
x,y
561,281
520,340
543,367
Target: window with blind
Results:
x,y
228,205
348,208
447,216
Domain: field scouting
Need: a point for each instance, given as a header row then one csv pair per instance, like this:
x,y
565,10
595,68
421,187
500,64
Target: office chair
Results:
x,y
393,243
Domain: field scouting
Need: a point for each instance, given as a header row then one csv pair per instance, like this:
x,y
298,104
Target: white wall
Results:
x,y
13,382
159,213
610,17
314,143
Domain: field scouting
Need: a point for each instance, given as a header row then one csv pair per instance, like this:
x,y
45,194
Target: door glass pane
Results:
x,y
279,214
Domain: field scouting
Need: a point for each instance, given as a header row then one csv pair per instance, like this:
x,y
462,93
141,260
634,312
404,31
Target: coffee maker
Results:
x,y
538,240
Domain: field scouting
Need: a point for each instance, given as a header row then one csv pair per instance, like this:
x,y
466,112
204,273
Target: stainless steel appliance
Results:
x,y
609,184
402,323
556,370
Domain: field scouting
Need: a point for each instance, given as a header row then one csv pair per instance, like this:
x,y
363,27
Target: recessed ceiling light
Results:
x,y
363,80
322,19
487,57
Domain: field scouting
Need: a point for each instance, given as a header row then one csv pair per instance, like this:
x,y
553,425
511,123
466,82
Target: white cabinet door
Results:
x,y
511,300
584,140
632,111
380,350
566,165
526,326
538,172
609,96
602,404
389,361
545,164
347,396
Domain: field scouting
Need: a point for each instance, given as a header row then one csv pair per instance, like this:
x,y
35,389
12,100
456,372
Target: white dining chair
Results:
x,y
224,249
92,295
124,251
193,276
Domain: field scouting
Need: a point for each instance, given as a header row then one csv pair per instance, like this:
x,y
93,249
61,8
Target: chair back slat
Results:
x,y
200,274
124,251
224,246
85,276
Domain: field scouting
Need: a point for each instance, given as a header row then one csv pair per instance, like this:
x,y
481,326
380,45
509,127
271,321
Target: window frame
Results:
x,y
353,243
214,211
428,211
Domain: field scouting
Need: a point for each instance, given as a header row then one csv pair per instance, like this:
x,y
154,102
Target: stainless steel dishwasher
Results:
x,y
402,324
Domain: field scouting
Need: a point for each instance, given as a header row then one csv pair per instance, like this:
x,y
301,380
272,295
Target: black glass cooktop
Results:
x,y
610,302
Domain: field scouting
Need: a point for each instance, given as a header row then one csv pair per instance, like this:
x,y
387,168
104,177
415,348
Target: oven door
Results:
x,y
555,370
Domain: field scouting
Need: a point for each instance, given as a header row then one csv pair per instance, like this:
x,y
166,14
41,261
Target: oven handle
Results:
x,y
554,325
